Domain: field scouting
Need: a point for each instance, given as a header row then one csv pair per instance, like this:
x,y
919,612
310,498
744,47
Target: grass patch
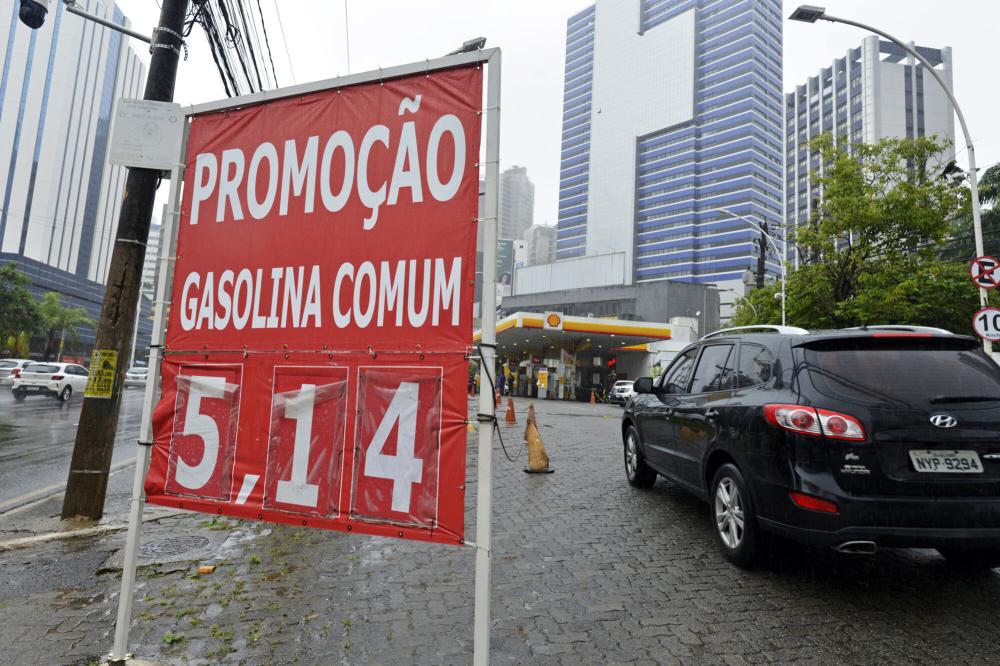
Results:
x,y
215,524
170,638
220,634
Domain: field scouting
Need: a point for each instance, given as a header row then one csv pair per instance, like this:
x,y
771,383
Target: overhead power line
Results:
x,y
284,39
267,42
232,31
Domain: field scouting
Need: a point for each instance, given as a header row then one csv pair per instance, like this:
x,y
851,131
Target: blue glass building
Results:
x,y
672,112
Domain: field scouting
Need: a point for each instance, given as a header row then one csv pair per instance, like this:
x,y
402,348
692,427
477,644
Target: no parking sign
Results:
x,y
984,273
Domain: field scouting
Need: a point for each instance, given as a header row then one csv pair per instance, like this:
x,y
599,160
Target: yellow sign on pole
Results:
x,y
102,373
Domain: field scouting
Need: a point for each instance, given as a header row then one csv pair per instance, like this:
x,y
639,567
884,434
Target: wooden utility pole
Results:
x,y
95,436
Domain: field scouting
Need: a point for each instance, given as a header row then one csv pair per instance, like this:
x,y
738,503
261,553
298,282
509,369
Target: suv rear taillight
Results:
x,y
815,422
15,373
56,378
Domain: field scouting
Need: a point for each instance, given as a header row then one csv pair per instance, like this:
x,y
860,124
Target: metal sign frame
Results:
x,y
167,254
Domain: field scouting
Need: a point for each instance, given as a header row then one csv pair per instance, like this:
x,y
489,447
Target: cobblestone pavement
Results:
x,y
587,570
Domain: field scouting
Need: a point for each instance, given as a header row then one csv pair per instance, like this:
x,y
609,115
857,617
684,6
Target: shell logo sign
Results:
x,y
553,321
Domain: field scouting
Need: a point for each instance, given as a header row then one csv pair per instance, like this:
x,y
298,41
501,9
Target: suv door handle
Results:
x,y
711,414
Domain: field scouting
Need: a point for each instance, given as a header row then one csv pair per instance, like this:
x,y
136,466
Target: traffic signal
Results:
x,y
612,363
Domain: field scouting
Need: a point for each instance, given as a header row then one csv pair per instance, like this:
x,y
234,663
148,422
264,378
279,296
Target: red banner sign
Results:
x,y
315,361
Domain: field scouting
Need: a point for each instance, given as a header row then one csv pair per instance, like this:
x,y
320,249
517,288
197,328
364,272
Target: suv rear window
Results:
x,y
7,364
916,372
42,369
714,369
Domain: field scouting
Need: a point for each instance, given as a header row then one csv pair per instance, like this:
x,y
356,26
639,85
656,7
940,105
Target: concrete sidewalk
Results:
x,y
279,594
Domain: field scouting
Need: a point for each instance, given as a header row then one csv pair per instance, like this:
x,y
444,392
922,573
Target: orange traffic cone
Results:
x,y
593,398
509,417
538,459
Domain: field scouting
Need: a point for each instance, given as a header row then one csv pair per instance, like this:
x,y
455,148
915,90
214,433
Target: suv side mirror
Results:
x,y
643,385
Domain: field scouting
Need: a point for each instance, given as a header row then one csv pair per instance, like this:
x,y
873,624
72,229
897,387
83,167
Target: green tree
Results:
x,y
18,309
19,346
989,186
871,252
59,320
961,244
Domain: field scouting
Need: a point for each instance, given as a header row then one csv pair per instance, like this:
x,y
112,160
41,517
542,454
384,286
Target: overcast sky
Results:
x,y
532,34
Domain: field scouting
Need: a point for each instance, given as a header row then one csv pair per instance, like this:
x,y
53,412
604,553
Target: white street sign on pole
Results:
x,y
146,134
987,324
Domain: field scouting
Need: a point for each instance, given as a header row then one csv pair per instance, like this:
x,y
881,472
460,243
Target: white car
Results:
x,y
622,391
11,368
58,380
136,376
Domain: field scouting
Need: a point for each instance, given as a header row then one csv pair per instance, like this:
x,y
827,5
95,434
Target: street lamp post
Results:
x,y
811,14
783,250
756,313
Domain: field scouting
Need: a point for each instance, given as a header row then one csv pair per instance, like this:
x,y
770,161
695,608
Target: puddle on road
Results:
x,y
374,552
238,538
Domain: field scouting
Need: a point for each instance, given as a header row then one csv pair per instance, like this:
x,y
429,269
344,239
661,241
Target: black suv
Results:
x,y
855,439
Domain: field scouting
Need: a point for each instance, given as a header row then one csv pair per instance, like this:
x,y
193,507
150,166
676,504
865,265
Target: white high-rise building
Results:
x,y
517,203
541,242
875,91
150,266
59,198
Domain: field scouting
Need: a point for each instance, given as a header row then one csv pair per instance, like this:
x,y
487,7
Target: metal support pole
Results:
x,y
487,406
977,223
784,275
72,8
135,333
166,252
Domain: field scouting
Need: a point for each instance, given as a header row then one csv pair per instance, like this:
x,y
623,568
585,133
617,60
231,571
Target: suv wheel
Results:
x,y
978,559
66,394
19,395
734,520
639,474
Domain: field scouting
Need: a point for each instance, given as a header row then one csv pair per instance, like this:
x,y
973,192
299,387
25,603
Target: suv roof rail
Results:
x,y
759,328
902,327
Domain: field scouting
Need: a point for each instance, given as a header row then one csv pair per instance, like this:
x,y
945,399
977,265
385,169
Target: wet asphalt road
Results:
x,y
37,436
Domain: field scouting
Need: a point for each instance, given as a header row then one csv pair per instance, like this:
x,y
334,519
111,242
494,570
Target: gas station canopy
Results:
x,y
552,355
533,331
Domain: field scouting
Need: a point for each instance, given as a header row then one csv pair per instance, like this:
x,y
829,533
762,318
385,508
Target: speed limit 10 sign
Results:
x,y
316,351
987,324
